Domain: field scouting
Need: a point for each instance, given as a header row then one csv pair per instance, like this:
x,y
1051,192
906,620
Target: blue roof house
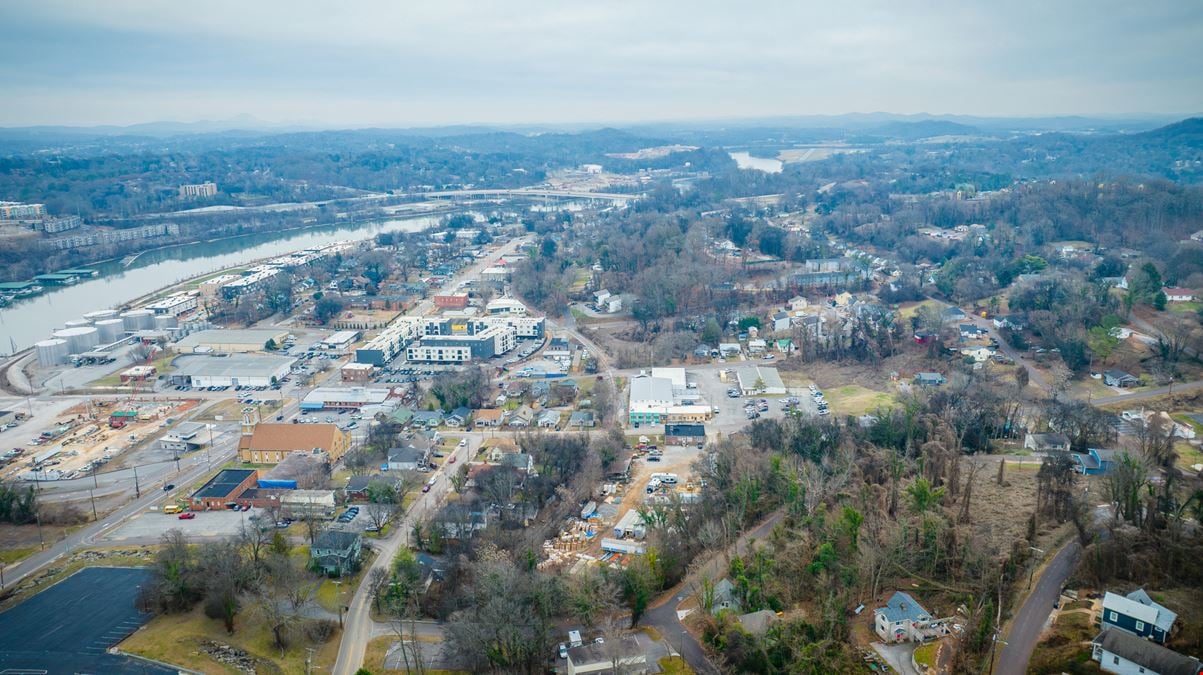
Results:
x,y
1138,614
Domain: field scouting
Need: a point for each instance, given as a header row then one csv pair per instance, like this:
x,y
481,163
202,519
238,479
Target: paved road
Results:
x,y
1030,620
663,616
87,535
358,627
1184,387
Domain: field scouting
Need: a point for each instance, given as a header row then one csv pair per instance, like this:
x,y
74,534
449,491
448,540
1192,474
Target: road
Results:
x,y
663,616
1029,621
1184,387
1035,376
358,627
151,492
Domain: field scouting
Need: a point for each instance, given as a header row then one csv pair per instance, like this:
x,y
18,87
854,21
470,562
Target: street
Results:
x,y
1029,621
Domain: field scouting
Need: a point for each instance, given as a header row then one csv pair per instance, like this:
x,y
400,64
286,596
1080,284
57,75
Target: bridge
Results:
x,y
527,192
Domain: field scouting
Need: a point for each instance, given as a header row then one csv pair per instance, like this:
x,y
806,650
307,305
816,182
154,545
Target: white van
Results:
x,y
653,486
665,478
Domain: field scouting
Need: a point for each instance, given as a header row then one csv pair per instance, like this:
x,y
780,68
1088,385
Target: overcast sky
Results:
x,y
408,62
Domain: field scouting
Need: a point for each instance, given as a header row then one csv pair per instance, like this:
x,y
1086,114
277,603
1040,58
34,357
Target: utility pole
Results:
x,y
137,488
92,495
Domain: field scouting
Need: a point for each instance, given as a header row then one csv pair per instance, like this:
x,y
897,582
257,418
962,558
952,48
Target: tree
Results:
x,y
923,496
327,308
226,576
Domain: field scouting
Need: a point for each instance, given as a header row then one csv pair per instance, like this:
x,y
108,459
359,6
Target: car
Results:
x,y
187,515
169,487
281,525
246,507
279,418
452,460
426,487
563,650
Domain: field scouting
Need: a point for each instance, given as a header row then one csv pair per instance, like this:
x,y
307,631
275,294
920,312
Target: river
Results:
x,y
747,161
30,321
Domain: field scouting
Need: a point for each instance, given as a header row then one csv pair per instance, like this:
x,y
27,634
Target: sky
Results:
x,y
417,63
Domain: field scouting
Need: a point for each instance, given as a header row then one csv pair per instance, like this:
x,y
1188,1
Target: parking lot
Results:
x,y
150,526
731,415
69,627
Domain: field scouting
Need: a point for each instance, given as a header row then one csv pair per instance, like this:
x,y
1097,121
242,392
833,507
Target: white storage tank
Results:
x,y
101,315
138,319
164,322
51,352
111,330
79,340
77,323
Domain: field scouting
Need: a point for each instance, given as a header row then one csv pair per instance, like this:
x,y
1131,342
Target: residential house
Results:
x,y
519,461
970,331
929,379
522,417
489,417
1119,378
548,419
336,552
725,597
357,488
758,623
781,321
702,351
1051,442
1094,461
953,314
408,458
757,346
905,620
458,417
797,303
1178,294
1138,614
461,521
978,354
1011,322
729,349
581,419
1123,653
428,418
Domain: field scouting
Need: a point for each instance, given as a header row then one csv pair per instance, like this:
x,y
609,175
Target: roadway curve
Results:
x,y
1030,620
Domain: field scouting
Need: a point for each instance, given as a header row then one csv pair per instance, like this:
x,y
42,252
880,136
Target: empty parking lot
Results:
x,y
69,627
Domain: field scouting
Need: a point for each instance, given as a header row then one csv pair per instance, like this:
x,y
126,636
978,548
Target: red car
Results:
x,y
452,460
187,515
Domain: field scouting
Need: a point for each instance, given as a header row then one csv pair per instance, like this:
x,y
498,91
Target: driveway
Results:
x,y
898,656
1029,622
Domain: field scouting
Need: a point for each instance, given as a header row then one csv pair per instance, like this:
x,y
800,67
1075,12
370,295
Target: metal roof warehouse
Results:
x,y
227,485
233,370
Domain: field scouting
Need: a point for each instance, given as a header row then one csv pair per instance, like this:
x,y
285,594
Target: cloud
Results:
x,y
457,61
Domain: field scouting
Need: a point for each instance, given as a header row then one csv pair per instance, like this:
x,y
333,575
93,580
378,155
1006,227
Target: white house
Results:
x,y
1125,654
978,354
1178,294
905,620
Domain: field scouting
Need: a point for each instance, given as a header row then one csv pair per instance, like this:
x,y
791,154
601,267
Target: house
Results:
x,y
978,354
701,351
619,655
357,488
905,620
729,349
336,552
519,461
1120,652
581,418
1046,442
1119,378
548,419
758,623
797,303
725,597
684,434
757,346
1138,614
1094,461
953,314
1178,294
970,331
522,417
929,379
489,417
785,345
408,458
458,417
781,321
427,418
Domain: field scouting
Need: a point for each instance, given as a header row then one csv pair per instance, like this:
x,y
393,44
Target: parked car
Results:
x,y
187,515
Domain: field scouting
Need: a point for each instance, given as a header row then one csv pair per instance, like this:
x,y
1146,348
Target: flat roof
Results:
x,y
249,336
651,389
234,365
347,395
769,376
223,484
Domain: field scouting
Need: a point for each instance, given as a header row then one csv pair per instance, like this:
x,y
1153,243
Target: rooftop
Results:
x,y
242,336
902,607
291,437
651,389
1150,655
223,484
234,365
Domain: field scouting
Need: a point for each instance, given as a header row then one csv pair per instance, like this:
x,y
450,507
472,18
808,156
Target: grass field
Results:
x,y
1188,455
854,399
926,655
12,555
178,638
1067,642
674,665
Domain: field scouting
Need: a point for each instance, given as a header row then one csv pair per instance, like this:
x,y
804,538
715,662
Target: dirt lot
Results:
x,y
1000,512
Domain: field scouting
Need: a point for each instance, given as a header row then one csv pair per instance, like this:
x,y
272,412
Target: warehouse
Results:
x,y
232,341
186,437
757,380
223,489
247,370
340,342
684,434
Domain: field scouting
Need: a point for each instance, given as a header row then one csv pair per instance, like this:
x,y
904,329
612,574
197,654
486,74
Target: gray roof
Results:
x,y
651,389
408,455
1145,653
234,365
358,483
339,540
902,607
1161,616
1051,440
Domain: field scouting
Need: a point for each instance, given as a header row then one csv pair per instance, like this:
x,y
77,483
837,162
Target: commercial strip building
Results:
x,y
340,341
231,341
186,437
665,397
248,370
206,189
338,398
223,489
